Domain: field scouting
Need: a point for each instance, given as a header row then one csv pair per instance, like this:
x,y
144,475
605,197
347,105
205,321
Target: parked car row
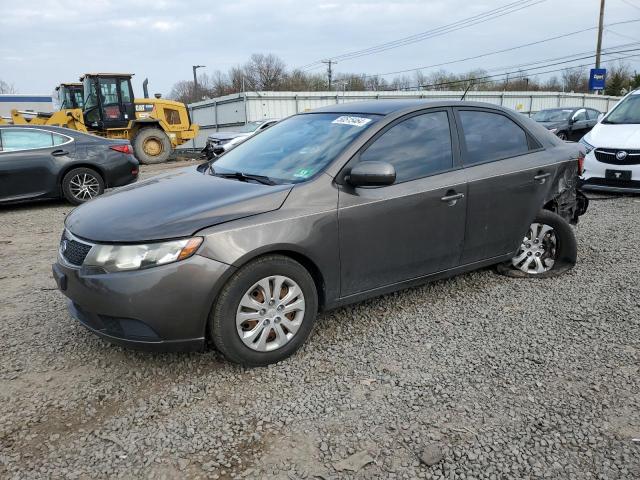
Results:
x,y
568,123
323,209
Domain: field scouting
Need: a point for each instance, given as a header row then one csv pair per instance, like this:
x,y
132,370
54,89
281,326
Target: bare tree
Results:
x,y
265,72
183,91
575,80
7,87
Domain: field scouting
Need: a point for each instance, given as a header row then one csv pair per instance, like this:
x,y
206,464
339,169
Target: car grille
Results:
x,y
72,250
609,155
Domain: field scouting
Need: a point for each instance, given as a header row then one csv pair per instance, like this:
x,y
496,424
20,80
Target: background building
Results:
x,y
36,103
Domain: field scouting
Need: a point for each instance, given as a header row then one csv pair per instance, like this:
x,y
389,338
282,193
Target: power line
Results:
x,y
460,24
520,74
631,4
475,57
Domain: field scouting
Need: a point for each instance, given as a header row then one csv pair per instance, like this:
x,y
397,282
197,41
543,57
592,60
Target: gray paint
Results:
x,y
357,242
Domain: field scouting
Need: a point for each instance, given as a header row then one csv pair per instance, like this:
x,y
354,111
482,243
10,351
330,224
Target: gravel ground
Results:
x,y
479,376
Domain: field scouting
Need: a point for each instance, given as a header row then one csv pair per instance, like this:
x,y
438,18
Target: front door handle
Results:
x,y
542,177
59,153
451,198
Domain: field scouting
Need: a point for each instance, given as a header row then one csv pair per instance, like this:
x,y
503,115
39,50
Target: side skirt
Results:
x,y
394,287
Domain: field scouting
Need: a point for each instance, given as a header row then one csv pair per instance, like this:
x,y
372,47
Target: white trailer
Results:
x,y
232,111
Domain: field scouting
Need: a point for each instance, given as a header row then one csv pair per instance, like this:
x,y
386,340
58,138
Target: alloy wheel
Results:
x,y
537,253
270,313
84,186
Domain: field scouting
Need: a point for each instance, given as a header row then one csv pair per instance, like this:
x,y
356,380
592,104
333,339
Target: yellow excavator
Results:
x,y
70,95
154,126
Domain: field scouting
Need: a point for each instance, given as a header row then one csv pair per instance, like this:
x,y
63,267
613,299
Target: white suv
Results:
x,y
612,162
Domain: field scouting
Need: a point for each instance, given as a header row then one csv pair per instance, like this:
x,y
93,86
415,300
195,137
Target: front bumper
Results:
x,y
163,308
595,176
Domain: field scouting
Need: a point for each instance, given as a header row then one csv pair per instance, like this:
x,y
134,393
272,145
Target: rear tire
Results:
x,y
282,307
81,185
152,145
548,249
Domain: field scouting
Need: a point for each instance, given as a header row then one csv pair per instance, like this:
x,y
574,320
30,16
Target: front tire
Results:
x,y
549,248
81,185
265,312
152,145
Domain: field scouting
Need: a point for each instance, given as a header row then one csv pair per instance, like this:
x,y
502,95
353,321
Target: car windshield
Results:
x,y
556,115
627,111
297,148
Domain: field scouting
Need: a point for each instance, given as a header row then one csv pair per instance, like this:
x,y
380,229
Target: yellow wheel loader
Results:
x,y
70,95
154,126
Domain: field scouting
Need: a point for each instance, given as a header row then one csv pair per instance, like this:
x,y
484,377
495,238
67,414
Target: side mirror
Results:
x,y
572,120
372,174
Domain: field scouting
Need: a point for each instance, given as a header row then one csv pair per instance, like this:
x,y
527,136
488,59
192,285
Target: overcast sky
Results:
x,y
45,42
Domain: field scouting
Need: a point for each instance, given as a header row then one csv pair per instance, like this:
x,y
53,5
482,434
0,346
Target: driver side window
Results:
x,y
417,147
580,115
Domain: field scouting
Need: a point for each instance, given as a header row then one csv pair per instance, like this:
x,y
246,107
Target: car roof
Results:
x,y
387,107
66,131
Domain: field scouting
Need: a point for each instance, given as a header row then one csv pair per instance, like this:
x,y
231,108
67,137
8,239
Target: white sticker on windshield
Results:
x,y
353,121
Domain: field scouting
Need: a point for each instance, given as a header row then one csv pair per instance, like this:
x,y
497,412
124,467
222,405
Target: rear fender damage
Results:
x,y
564,197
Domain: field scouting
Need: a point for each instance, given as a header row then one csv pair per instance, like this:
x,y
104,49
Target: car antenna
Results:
x,y
467,89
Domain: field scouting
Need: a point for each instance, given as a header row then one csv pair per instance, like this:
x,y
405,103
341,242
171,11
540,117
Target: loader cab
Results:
x,y
70,95
108,100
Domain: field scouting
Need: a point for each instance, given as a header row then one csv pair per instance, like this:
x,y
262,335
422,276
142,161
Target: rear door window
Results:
x,y
491,136
417,147
593,114
23,139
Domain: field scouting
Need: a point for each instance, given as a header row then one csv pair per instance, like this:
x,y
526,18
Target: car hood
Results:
x,y
225,135
172,205
608,135
550,125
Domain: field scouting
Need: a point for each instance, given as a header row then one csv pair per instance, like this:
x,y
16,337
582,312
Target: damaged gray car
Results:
x,y
323,209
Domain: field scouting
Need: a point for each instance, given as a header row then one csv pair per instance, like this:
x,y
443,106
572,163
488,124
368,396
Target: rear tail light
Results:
x,y
580,163
134,171
122,148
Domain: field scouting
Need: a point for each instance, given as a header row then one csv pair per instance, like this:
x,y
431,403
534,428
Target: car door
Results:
x,y
508,179
579,125
415,226
29,162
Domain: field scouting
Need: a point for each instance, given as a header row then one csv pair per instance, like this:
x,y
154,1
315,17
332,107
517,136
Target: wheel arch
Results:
x,y
295,254
90,166
138,125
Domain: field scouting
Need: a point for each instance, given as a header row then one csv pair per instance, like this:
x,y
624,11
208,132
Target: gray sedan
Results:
x,y
323,209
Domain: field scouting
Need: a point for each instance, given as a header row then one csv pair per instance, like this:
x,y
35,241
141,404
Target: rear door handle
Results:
x,y
59,153
452,198
542,177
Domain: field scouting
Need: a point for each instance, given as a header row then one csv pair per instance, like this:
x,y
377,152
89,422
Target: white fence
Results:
x,y
231,111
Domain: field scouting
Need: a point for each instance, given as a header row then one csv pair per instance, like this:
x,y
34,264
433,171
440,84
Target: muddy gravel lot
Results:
x,y
479,376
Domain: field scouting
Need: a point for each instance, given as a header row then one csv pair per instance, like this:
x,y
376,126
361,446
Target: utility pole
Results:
x,y
599,44
329,62
195,81
600,28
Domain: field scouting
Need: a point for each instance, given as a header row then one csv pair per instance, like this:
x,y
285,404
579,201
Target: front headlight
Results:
x,y
118,258
587,146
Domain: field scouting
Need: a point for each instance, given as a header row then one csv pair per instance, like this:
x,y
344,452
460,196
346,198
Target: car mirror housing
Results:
x,y
372,174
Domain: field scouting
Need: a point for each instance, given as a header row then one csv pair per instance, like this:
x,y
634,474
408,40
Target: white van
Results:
x,y
612,162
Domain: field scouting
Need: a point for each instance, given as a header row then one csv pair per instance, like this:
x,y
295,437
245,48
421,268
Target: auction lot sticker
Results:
x,y
353,121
